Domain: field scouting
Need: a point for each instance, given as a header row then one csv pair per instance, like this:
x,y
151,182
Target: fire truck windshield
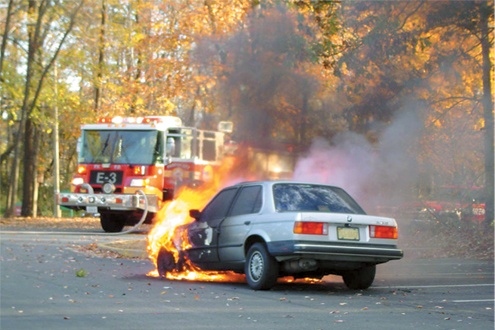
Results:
x,y
122,147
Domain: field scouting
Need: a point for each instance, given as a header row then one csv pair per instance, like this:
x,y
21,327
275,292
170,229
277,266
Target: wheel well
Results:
x,y
251,240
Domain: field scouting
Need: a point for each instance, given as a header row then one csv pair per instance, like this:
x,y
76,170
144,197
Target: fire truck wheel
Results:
x,y
111,224
165,262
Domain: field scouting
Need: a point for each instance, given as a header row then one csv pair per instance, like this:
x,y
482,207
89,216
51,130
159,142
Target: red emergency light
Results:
x,y
171,120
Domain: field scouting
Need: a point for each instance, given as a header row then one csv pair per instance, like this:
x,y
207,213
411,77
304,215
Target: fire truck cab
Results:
x,y
127,167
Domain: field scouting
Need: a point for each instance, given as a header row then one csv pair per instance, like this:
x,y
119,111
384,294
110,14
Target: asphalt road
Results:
x,y
46,282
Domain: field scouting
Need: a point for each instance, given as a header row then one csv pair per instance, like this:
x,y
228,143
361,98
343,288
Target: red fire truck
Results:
x,y
128,166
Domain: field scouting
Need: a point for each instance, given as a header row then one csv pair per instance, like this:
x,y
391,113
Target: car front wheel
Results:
x,y
261,268
165,262
360,279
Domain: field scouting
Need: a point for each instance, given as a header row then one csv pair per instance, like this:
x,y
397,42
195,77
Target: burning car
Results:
x,y
272,229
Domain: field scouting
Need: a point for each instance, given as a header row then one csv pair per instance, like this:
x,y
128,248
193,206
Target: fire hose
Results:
x,y
143,217
137,225
81,233
128,231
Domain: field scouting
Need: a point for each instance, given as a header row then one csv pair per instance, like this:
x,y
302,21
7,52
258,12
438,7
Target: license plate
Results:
x,y
348,233
102,177
92,209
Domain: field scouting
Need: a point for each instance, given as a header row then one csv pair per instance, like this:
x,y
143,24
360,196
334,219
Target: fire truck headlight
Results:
x,y
108,188
77,181
139,182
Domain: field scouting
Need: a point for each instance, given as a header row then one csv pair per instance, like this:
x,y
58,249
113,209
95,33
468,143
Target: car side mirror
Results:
x,y
196,214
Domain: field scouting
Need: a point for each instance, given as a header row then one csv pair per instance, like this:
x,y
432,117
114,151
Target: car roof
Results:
x,y
272,182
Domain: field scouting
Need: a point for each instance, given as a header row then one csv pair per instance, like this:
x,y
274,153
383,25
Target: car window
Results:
x,y
217,209
313,198
248,201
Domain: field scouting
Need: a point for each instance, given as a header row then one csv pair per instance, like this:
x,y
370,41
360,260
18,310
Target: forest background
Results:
x,y
390,99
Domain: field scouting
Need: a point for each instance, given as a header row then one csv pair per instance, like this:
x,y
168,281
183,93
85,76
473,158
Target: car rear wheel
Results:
x,y
360,279
261,268
111,224
165,262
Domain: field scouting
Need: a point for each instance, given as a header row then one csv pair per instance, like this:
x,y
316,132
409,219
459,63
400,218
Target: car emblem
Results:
x,y
349,218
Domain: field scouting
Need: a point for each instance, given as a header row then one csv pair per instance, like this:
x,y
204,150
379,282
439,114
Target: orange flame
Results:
x,y
175,213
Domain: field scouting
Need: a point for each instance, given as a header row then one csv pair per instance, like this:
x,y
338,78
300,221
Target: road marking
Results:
x,y
431,286
474,300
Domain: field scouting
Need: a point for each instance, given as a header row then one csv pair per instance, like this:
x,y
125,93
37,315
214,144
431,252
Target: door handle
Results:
x,y
247,222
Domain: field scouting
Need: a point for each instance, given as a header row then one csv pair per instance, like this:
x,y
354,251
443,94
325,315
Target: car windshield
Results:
x,y
121,147
295,197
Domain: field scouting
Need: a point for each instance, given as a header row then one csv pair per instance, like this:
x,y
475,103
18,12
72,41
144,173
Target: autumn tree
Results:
x,y
283,71
380,64
48,25
8,95
430,54
268,81
469,26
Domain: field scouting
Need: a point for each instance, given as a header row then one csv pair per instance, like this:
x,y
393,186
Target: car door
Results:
x,y
203,233
235,227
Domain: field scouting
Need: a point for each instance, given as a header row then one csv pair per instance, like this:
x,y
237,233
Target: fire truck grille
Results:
x,y
99,191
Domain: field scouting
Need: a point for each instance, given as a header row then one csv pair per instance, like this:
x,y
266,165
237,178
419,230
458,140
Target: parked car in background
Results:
x,y
273,229
447,205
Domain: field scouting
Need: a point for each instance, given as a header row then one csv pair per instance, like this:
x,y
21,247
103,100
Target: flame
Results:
x,y
175,213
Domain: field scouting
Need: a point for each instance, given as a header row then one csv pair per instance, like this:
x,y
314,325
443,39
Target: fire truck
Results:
x,y
128,166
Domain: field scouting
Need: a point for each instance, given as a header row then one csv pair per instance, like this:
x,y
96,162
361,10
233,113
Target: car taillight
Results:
x,y
384,232
310,228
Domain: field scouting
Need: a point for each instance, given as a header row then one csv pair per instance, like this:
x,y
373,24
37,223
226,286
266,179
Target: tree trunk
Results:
x,y
485,12
5,37
101,57
14,177
29,174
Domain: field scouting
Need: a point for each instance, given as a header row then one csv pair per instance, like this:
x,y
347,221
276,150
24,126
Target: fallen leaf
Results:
x,y
81,272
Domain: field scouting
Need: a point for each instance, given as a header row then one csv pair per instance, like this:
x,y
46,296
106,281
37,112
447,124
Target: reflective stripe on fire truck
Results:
x,y
207,173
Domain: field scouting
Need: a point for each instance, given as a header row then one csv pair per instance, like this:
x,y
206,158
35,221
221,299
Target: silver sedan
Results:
x,y
272,229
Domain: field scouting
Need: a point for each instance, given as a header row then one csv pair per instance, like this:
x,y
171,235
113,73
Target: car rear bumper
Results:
x,y
335,251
